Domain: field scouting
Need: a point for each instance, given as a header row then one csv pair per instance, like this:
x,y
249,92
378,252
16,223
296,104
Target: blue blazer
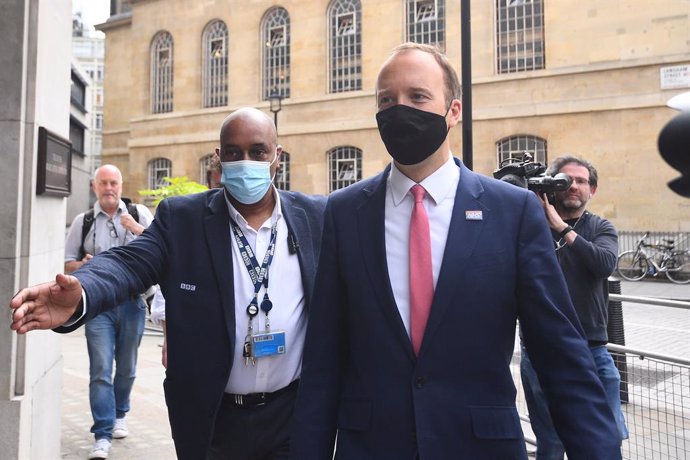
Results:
x,y
187,251
361,379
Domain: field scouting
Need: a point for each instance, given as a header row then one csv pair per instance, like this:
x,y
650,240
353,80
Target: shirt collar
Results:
x,y
437,185
239,218
97,209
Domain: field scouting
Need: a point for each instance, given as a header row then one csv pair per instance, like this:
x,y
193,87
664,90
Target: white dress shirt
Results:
x,y
158,307
438,202
285,290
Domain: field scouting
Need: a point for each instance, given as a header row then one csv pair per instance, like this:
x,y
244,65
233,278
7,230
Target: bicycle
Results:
x,y
635,265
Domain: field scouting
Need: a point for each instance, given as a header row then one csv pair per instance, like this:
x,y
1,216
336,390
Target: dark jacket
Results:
x,y
586,265
361,379
187,251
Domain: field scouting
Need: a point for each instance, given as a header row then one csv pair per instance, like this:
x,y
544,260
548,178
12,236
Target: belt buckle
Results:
x,y
242,400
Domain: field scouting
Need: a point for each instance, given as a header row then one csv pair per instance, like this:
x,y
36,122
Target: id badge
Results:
x,y
268,344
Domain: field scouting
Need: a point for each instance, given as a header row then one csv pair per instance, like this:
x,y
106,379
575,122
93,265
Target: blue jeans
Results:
x,y
113,335
549,445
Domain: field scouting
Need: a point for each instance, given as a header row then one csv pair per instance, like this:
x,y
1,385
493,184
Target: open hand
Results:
x,y
47,305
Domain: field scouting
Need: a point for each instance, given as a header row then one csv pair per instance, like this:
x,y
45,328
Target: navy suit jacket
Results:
x,y
361,379
187,251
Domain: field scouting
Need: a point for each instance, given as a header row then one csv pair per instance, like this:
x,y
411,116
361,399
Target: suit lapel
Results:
x,y
219,243
372,230
299,229
463,235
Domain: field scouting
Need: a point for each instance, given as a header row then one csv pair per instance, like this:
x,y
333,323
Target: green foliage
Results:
x,y
176,186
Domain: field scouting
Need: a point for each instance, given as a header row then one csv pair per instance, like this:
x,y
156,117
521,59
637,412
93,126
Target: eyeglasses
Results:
x,y
111,228
580,181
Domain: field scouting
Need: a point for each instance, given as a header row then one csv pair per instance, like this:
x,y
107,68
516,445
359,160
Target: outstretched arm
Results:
x,y
47,305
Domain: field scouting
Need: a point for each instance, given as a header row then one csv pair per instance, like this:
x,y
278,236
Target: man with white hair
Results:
x,y
115,334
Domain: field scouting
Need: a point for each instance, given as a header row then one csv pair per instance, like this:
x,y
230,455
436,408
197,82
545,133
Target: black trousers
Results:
x,y
254,432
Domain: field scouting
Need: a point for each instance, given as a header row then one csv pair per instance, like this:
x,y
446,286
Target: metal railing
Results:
x,y
655,391
627,241
657,411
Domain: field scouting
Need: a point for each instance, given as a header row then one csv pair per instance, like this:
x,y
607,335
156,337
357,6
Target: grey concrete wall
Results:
x,y
35,80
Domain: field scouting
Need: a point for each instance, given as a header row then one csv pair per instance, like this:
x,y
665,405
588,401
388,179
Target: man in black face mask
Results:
x,y
424,271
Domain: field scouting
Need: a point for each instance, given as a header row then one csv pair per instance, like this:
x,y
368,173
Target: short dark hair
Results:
x,y
453,89
556,165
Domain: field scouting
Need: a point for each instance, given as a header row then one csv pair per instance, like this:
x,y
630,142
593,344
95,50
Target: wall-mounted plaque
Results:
x,y
54,164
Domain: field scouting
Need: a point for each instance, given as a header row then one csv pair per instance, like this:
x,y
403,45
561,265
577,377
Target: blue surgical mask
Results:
x,y
246,180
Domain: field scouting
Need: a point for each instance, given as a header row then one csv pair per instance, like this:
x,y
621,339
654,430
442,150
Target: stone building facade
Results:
x,y
589,78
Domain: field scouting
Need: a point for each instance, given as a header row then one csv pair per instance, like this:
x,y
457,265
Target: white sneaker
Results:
x,y
120,429
100,449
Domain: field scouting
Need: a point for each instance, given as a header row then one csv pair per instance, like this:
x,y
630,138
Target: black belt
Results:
x,y
257,399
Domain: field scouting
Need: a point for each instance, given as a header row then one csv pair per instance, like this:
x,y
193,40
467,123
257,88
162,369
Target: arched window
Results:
x,y
215,55
426,22
345,24
282,179
162,73
159,168
204,162
519,35
344,167
275,37
516,146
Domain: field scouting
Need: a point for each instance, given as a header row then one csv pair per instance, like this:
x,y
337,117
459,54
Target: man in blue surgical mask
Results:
x,y
236,266
424,272
249,161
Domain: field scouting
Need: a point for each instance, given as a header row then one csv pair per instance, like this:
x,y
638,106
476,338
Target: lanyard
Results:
x,y
257,273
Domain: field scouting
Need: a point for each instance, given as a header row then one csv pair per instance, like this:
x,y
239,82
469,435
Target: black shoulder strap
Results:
x,y
132,209
85,227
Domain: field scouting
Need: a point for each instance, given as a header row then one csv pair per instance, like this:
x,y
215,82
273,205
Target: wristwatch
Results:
x,y
565,231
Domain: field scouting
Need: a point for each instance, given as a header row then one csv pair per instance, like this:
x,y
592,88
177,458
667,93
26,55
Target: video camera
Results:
x,y
531,175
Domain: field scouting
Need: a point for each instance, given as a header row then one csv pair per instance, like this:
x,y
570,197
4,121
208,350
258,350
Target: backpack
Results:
x,y
88,223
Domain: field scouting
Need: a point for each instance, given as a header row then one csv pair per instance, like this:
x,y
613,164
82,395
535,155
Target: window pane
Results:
x,y
215,53
76,136
520,35
345,46
275,31
426,22
78,92
203,167
516,146
345,167
158,170
162,73
282,179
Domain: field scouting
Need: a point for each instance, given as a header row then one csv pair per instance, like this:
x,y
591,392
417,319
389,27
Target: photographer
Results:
x,y
586,248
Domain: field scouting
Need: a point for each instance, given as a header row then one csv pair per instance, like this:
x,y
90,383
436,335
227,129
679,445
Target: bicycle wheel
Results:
x,y
679,269
632,266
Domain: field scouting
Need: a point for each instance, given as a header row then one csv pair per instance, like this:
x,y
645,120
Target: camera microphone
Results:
x,y
515,180
674,147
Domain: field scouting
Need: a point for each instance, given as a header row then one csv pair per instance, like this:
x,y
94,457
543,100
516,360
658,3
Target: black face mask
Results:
x,y
411,135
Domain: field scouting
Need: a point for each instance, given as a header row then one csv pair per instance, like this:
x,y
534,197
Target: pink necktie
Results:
x,y
421,278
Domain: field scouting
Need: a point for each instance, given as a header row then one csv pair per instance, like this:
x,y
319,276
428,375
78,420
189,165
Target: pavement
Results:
x,y
657,329
149,430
